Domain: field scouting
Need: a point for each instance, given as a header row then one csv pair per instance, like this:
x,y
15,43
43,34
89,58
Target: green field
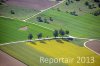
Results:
x,y
86,26
20,12
77,6
10,30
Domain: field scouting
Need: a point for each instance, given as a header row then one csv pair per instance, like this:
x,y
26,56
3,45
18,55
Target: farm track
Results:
x,y
41,39
43,11
25,20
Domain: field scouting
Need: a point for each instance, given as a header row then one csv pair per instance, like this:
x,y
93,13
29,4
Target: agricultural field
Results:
x,y
15,30
30,53
28,32
23,8
83,25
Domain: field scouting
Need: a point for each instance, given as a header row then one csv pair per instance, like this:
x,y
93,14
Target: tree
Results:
x,y
51,19
86,3
90,7
66,3
61,32
97,13
73,13
46,21
30,36
12,12
55,33
67,32
58,9
39,19
39,35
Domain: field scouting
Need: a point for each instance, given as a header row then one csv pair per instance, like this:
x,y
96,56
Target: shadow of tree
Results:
x,y
33,42
59,40
65,40
43,42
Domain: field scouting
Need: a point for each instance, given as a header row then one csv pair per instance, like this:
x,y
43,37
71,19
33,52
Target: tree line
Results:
x,y
55,33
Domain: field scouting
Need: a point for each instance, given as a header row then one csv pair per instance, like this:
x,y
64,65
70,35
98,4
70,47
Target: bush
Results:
x,y
90,7
50,18
97,13
86,3
12,12
67,3
58,9
73,13
39,19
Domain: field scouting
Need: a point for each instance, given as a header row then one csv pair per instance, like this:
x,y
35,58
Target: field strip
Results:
x,y
30,23
36,15
41,26
7,17
38,40
89,48
43,11
12,43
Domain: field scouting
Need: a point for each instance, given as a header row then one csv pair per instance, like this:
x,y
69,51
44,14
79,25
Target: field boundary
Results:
x,y
89,48
12,43
40,26
51,39
41,11
38,40
25,20
13,57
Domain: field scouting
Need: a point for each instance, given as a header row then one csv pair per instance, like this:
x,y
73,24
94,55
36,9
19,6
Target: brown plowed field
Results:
x,y
6,60
36,4
94,45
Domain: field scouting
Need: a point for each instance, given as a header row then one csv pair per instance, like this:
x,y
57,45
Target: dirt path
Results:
x,y
43,10
6,60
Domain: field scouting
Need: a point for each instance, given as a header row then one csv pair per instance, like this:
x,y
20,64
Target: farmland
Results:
x,y
21,18
26,54
49,48
86,26
23,8
10,30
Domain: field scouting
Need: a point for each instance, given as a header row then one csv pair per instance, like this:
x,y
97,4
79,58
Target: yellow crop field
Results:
x,y
65,49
